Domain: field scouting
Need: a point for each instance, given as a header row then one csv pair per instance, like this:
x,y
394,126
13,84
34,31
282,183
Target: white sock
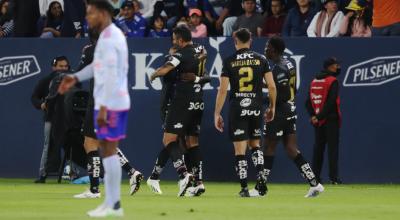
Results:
x,y
112,180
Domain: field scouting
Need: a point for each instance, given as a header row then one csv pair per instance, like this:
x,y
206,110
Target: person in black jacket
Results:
x,y
60,64
323,105
26,14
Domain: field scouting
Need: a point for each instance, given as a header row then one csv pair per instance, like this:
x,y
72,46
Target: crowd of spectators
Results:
x,y
207,18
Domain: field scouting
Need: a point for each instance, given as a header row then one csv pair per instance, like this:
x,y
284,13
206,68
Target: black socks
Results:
x,y
305,170
241,170
94,169
161,161
196,162
257,156
125,163
176,154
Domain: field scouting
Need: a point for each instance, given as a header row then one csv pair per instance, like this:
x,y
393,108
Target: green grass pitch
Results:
x,y
21,199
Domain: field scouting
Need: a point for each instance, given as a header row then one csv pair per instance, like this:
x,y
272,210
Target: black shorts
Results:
x,y
184,117
245,124
88,124
280,127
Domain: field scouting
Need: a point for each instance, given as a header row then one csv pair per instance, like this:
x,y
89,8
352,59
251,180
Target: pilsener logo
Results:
x,y
16,68
373,72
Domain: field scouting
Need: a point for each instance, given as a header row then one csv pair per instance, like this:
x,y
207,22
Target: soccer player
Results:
x,y
244,71
111,98
186,103
193,157
91,143
284,125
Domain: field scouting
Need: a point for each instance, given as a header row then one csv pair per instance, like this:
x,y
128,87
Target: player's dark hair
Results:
x,y
58,59
243,35
277,44
183,33
102,5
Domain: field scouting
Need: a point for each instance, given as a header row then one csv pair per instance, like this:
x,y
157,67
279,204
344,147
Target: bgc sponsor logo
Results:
x,y
373,72
13,69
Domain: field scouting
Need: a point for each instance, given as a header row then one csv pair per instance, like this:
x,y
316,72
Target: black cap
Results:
x,y
127,4
326,1
330,61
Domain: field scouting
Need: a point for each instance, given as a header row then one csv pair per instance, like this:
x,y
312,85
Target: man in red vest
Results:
x,y
323,105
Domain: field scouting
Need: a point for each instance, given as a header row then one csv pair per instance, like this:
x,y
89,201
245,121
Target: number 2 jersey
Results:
x,y
245,70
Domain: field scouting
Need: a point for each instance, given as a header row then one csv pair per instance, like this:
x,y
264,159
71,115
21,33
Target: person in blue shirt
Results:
x,y
158,28
299,18
134,24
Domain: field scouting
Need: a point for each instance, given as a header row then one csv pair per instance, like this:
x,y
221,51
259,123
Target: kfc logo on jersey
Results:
x,y
246,102
250,113
13,69
373,72
245,56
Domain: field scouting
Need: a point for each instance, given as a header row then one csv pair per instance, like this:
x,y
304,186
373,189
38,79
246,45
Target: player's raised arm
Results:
x,y
219,103
270,113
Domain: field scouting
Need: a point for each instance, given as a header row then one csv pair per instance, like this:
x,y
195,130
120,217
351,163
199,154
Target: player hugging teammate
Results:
x,y
183,104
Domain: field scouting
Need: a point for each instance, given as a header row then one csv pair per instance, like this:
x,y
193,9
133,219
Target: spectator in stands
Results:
x,y
228,16
41,91
53,21
298,19
122,14
250,19
197,28
326,23
357,22
26,14
386,18
158,28
205,7
44,6
147,8
209,14
6,20
74,18
173,9
274,22
133,25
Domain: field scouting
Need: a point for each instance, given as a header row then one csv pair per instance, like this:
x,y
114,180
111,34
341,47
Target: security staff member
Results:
x,y
323,105
38,99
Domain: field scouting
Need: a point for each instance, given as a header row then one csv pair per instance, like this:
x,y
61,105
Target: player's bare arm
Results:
x,y
162,71
219,103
